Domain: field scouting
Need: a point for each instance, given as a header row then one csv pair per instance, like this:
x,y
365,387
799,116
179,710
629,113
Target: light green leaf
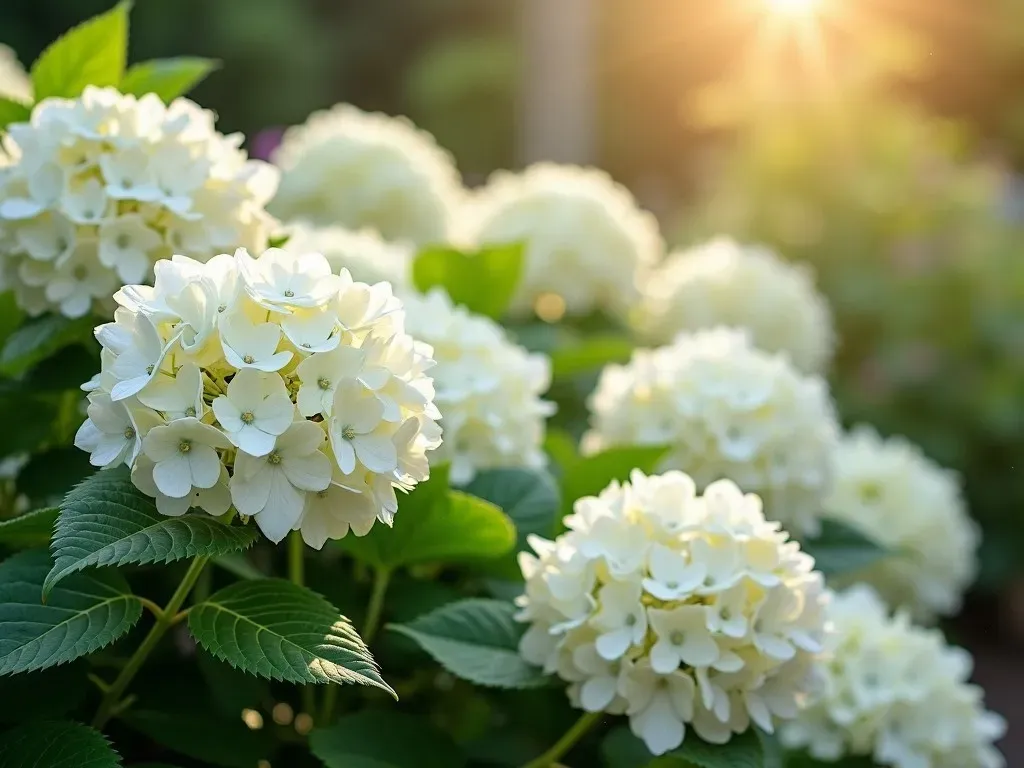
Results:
x,y
453,528
279,630
483,282
58,744
13,111
32,529
39,338
368,739
93,53
477,640
590,354
167,78
106,520
590,475
87,612
204,737
842,549
528,496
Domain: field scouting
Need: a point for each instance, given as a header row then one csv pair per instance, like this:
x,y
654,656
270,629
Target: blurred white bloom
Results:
x,y
364,253
358,169
587,241
488,388
100,187
729,410
711,621
890,490
722,283
14,80
895,692
199,384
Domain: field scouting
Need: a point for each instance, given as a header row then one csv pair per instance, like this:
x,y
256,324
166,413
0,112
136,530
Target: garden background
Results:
x,y
881,145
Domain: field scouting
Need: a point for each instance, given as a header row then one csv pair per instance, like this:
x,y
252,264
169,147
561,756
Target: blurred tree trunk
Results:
x,y
557,114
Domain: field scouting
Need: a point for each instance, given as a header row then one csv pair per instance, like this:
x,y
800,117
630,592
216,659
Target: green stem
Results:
x,y
296,566
111,702
297,575
381,577
564,744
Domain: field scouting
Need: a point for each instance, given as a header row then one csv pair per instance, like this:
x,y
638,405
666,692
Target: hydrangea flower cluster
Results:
x,y
359,169
364,253
102,186
896,692
487,387
587,241
674,609
268,384
890,490
724,283
729,410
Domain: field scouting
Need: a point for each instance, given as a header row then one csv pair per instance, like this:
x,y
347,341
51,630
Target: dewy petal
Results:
x,y
664,657
658,725
254,442
275,414
597,693
249,494
301,439
310,473
205,466
283,508
613,645
344,453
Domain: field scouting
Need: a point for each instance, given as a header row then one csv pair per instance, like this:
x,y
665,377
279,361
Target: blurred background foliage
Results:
x,y
881,146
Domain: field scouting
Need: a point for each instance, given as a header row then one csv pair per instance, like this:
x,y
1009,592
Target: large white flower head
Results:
x,y
587,242
268,384
364,253
14,80
360,169
896,692
890,490
724,283
675,609
488,388
726,409
101,187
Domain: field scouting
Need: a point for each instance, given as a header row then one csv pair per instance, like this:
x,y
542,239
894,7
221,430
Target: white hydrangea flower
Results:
x,y
722,283
98,188
725,409
363,252
890,490
14,80
488,388
206,394
676,609
587,241
358,169
896,692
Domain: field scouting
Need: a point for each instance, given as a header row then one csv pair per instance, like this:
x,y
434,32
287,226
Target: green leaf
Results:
x,y
452,528
93,53
477,640
32,529
279,630
13,111
590,354
842,549
41,337
483,282
59,744
167,78
106,520
368,739
528,496
214,741
87,612
590,475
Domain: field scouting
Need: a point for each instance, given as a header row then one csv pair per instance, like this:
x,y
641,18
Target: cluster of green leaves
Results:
x,y
96,53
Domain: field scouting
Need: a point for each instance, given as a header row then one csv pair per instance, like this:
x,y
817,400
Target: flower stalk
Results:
x,y
568,740
168,616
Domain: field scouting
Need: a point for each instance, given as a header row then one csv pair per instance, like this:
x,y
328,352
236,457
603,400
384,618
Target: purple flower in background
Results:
x,y
265,142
